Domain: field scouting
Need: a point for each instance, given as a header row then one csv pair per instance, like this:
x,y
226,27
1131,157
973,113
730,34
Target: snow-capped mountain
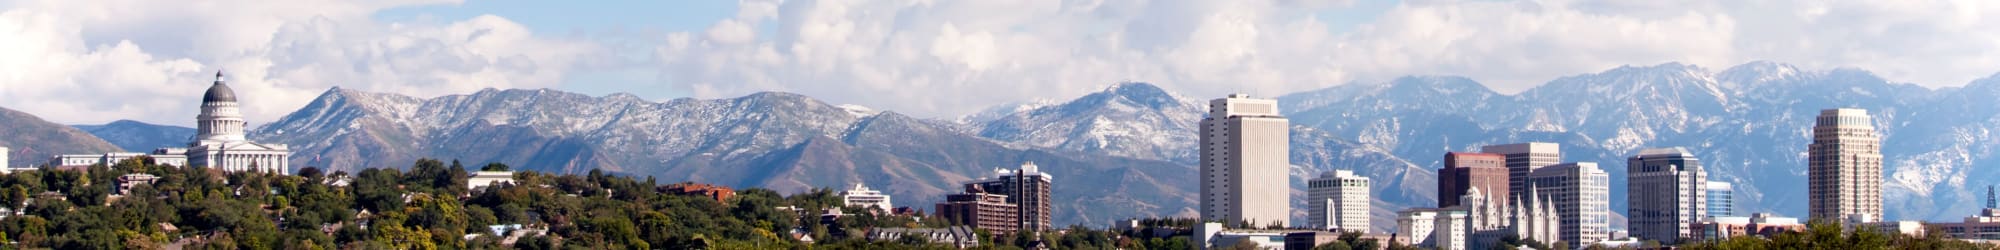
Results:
x,y
1131,145
1136,120
1140,120
1749,124
782,141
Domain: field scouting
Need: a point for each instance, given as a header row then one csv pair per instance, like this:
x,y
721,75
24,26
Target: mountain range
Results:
x,y
136,136
1130,146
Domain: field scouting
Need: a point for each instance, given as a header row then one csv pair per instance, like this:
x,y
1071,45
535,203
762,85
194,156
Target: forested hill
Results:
x,y
428,207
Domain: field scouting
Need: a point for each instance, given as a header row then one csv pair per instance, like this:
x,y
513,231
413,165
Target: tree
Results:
x,y
495,166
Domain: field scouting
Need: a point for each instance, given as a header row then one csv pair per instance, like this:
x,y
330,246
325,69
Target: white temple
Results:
x,y
220,142
1490,221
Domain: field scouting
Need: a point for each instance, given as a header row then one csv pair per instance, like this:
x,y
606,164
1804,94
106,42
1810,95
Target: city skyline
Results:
x,y
793,123
656,50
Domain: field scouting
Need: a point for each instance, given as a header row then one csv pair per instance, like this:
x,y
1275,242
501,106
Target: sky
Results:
x,y
96,61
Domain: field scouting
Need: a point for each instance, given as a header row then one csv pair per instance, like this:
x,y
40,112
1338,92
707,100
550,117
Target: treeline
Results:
x,y
429,207
1831,236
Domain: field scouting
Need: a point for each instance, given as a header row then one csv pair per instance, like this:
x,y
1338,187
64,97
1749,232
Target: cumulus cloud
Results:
x,y
945,58
149,60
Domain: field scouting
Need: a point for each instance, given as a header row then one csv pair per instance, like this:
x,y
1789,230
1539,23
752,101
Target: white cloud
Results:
x,y
150,61
146,60
945,58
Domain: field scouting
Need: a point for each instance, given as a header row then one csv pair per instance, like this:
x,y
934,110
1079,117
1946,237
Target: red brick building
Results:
x,y
981,210
719,193
1464,171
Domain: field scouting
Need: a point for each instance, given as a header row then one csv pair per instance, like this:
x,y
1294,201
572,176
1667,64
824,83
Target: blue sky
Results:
x,y
148,60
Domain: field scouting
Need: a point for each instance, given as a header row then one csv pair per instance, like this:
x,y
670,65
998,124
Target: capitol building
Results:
x,y
219,142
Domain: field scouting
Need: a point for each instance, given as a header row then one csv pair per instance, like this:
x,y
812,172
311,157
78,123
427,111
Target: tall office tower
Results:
x,y
1464,171
1667,191
1523,158
3,161
1845,167
1721,199
1580,193
1027,187
1338,200
1991,201
1244,164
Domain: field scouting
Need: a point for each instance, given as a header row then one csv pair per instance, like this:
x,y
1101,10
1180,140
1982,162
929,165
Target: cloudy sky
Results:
x,y
94,61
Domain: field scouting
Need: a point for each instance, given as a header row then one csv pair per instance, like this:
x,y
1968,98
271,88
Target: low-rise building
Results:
x,y
1213,235
1758,224
1984,226
480,180
719,193
164,156
861,196
127,181
956,236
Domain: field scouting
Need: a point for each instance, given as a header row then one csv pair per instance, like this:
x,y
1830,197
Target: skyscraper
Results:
x,y
1523,158
1721,199
1027,187
1464,171
1667,191
1244,162
1845,167
1581,195
1338,200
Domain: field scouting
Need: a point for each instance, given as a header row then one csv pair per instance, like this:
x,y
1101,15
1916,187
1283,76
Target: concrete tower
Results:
x,y
1338,200
1667,192
1845,167
1245,148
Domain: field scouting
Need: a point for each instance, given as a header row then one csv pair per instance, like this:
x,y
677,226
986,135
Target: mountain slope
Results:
x,y
135,136
783,141
1140,120
1749,123
32,140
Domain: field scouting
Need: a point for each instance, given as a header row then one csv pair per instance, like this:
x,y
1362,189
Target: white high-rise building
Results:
x,y
4,168
1417,226
1845,167
1721,199
1581,195
1245,148
861,196
1338,200
1522,158
220,142
1667,193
